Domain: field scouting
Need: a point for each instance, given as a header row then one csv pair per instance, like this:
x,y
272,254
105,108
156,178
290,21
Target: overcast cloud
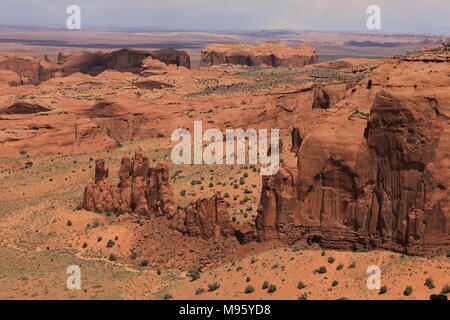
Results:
x,y
406,16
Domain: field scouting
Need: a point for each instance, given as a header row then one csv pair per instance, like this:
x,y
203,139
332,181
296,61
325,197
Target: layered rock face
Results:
x,y
272,54
124,60
142,189
29,69
207,218
34,71
377,183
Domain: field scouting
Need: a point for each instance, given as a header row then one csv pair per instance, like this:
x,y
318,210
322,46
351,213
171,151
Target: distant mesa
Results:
x,y
272,54
33,71
124,60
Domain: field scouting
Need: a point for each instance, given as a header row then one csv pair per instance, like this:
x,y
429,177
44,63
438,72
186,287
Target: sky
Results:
x,y
397,16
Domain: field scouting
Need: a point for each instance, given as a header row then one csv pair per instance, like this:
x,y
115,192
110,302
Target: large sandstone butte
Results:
x,y
123,60
377,183
29,70
34,71
142,189
271,53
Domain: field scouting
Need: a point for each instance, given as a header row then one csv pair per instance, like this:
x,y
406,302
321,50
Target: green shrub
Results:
x,y
249,289
272,288
334,283
144,263
352,265
167,296
303,296
213,286
340,266
112,257
408,290
322,270
301,285
85,245
383,289
429,283
446,289
199,291
110,244
265,285
194,274
331,260
69,223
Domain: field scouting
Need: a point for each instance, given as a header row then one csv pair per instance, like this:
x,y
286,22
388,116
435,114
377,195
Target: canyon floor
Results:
x,y
44,231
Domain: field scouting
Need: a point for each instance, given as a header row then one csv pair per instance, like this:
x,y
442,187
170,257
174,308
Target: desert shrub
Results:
x,y
85,245
183,193
334,283
226,195
167,296
352,265
322,270
112,257
301,285
199,291
446,289
323,253
194,274
340,266
429,283
408,290
110,244
133,255
383,289
144,263
331,260
343,298
213,286
249,289
265,285
99,239
69,223
158,272
272,288
247,279
303,296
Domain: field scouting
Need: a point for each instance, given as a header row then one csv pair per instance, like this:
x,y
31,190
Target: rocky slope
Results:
x,y
373,178
271,53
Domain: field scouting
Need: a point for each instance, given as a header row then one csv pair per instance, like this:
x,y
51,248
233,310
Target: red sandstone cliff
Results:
x,y
381,182
271,53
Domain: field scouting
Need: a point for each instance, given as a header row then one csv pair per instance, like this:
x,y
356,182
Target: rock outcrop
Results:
x,y
377,183
142,189
271,53
124,60
207,218
29,69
